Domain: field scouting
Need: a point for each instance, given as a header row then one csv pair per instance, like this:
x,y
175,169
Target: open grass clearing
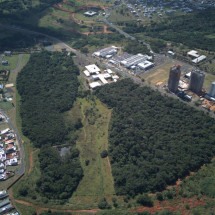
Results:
x,y
26,210
120,15
93,139
12,62
158,74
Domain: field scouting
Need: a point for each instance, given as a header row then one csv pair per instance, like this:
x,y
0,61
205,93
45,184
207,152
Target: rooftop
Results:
x,y
92,68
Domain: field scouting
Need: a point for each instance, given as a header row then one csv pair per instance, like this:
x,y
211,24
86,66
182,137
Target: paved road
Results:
x,y
105,20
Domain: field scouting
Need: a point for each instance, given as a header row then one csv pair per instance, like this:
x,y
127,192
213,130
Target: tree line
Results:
x,y
154,139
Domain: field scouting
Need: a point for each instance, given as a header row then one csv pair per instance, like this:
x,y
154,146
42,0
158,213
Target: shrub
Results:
x,y
145,200
103,204
104,154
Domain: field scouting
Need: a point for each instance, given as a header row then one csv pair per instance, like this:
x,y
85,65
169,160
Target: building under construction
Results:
x,y
196,81
174,77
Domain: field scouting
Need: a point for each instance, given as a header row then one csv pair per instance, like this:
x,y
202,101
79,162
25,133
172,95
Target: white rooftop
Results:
x,y
92,68
90,13
145,64
115,77
94,85
86,73
193,53
109,71
199,59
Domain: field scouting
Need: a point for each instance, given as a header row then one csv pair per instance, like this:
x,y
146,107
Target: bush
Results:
x,y
160,197
104,154
145,200
23,191
103,204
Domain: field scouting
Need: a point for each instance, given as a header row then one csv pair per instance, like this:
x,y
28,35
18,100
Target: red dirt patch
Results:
x,y
179,205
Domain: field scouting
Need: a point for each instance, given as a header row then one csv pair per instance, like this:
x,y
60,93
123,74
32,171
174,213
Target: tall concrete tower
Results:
x,y
196,81
174,77
212,90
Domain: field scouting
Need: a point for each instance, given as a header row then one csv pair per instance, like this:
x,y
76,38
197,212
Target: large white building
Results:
x,y
93,69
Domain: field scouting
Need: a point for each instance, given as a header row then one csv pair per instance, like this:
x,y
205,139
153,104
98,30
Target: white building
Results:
x,y
92,69
199,59
94,84
193,54
145,65
90,13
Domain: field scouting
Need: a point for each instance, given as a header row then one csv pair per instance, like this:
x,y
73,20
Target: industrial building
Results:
x,y
196,81
134,60
106,52
174,77
212,90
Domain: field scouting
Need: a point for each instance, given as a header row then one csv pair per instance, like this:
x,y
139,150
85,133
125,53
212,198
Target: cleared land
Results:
x,y
97,181
159,73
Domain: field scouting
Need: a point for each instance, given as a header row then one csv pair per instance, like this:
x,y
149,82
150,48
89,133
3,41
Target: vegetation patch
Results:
x,y
154,140
93,139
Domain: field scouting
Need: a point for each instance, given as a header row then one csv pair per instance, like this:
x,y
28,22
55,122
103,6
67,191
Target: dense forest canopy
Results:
x,y
60,176
48,87
154,139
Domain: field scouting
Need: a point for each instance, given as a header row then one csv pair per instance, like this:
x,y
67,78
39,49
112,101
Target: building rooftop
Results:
x,y
92,68
94,85
90,13
199,59
193,53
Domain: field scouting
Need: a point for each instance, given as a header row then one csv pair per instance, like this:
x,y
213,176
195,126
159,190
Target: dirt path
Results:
x,y
40,209
30,162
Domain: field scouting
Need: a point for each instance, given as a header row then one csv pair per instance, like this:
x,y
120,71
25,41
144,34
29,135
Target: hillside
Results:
x,y
154,140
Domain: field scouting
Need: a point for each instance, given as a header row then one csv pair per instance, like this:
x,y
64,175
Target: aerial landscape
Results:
x,y
107,107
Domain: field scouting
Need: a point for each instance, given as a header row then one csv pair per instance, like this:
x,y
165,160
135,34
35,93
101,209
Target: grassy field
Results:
x,y
97,181
158,74
12,62
121,15
26,210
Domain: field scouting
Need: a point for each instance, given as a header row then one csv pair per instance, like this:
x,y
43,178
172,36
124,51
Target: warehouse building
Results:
x,y
134,60
106,52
